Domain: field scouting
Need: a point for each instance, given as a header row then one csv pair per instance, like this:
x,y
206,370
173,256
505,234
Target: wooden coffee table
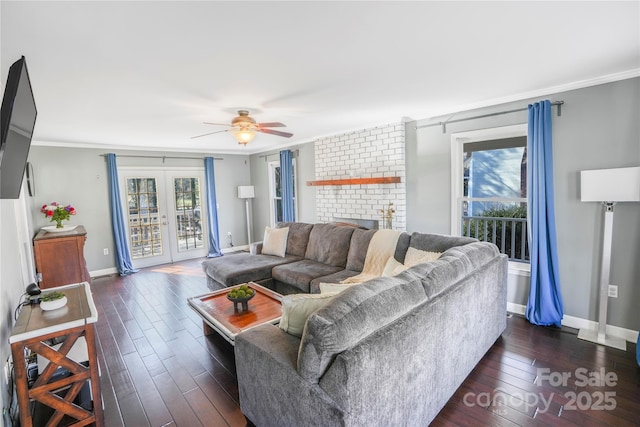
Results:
x,y
219,314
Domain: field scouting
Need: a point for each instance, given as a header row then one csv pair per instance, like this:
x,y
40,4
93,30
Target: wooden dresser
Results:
x,y
60,257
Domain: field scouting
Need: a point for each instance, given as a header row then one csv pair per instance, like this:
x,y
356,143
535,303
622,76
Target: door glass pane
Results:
x,y
144,223
188,214
278,208
277,182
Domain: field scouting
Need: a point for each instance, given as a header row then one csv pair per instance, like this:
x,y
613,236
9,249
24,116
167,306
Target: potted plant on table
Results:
x,y
53,300
241,295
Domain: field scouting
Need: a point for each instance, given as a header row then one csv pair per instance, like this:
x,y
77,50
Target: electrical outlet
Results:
x,y
106,251
613,291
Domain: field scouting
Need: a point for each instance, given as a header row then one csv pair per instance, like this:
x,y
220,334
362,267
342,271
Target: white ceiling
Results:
x,y
145,75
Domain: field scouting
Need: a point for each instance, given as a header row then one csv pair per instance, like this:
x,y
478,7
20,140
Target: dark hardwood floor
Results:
x,y
159,369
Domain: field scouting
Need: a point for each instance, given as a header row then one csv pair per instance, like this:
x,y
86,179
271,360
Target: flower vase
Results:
x,y
59,224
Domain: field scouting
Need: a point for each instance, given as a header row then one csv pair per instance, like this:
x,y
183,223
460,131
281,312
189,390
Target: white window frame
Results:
x,y
457,168
272,189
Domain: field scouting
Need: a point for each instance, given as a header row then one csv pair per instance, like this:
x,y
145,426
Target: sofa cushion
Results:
x,y
352,315
242,267
297,308
275,241
402,246
301,273
416,256
314,286
437,242
329,244
393,267
358,249
453,265
298,238
334,288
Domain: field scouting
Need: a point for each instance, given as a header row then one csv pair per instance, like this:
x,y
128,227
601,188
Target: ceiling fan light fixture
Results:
x,y
244,128
243,135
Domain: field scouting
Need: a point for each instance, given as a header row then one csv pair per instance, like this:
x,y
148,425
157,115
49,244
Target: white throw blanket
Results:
x,y
381,247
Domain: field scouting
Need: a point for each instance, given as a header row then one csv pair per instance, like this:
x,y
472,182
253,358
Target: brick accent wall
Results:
x,y
369,153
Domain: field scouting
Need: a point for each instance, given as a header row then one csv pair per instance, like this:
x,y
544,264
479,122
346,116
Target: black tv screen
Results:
x,y
17,120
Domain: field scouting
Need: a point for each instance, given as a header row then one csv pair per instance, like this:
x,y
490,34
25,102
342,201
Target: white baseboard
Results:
x,y
579,323
103,272
112,270
235,249
516,308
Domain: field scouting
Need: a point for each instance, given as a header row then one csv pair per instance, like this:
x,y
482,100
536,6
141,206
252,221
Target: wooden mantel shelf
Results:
x,y
356,181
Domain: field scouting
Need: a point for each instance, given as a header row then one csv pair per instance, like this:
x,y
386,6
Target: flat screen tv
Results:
x,y
17,120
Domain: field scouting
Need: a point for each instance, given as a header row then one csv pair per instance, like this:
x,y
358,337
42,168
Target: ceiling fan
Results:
x,y
244,128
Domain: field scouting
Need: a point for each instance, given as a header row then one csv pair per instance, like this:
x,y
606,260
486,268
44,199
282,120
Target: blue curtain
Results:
x,y
212,209
545,301
123,255
286,182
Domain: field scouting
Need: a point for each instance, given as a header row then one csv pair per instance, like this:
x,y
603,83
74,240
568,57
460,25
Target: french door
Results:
x,y
163,214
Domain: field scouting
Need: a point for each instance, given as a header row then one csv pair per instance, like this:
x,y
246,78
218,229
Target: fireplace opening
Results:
x,y
371,224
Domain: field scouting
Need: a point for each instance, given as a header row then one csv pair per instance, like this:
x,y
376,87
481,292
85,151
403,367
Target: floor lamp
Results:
x,y
247,193
608,186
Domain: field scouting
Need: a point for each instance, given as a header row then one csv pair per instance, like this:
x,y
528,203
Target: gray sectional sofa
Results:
x,y
390,351
315,253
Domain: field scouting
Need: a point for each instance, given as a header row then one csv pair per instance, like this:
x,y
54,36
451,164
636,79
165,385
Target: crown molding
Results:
x,y
552,90
71,144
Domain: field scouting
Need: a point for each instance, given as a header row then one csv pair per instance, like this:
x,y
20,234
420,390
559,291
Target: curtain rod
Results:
x,y
275,153
446,122
161,157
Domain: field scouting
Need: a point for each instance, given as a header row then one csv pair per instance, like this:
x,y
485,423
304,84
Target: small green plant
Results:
x,y
242,292
52,296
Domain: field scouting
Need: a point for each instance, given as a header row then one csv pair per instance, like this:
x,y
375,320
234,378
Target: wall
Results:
x,y
14,275
305,169
599,128
368,153
79,176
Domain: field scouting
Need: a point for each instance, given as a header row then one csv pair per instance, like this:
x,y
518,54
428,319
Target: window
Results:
x,y
490,192
144,221
188,213
275,191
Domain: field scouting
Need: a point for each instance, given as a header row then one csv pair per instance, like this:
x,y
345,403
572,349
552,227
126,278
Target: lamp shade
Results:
x,y
246,192
610,185
243,135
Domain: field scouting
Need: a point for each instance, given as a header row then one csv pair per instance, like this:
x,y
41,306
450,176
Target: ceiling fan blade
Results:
x,y
216,124
210,133
272,125
276,132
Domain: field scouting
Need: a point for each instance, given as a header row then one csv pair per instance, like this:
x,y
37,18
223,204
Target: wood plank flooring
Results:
x,y
158,369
